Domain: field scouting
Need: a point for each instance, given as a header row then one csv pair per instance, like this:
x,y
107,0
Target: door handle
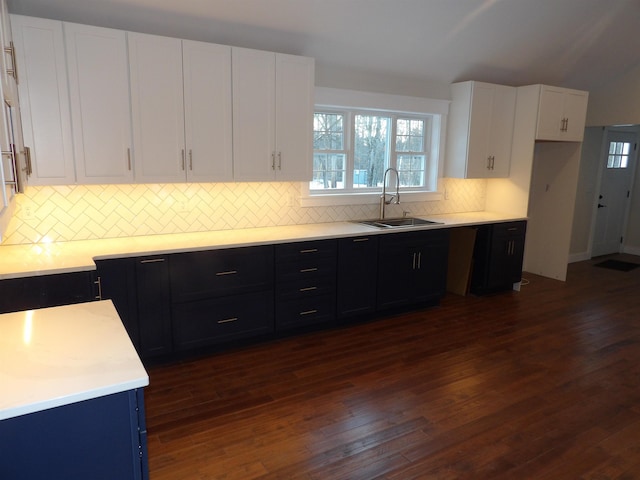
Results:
x,y
601,205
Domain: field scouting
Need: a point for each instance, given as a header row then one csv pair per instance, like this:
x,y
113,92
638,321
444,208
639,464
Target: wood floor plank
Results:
x,y
538,384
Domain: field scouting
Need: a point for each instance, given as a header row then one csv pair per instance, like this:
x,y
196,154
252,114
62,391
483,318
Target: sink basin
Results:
x,y
397,222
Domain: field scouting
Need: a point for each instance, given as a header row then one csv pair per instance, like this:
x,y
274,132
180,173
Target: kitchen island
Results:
x,y
71,399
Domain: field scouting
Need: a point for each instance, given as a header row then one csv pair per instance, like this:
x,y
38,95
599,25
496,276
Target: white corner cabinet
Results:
x,y
562,113
272,116
109,106
480,130
44,99
187,135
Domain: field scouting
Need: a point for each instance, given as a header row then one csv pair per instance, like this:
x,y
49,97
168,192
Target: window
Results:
x,y
358,135
618,154
379,141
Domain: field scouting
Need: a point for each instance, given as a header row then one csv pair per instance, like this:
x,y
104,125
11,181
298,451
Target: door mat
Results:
x,y
617,265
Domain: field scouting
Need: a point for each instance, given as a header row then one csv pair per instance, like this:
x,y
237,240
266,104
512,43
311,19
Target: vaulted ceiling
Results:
x,y
573,43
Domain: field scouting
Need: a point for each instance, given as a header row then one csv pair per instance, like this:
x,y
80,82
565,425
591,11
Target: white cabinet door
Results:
x,y
561,114
99,92
253,115
207,111
272,116
480,130
7,56
44,99
155,65
294,117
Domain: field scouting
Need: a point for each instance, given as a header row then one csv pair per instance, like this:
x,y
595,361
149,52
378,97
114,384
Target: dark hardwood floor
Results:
x,y
542,384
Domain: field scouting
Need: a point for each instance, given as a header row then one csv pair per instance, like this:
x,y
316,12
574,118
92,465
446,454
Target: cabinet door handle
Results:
x,y
414,261
228,320
308,289
152,260
419,260
183,160
98,282
279,160
13,71
228,272
190,159
489,162
308,312
273,161
360,240
307,270
129,158
566,124
310,250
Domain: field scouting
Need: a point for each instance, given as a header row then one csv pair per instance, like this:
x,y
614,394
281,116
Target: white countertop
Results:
x,y
49,258
56,356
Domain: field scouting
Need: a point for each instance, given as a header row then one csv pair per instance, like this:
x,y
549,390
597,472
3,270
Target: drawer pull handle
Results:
x,y
310,250
308,289
229,272
512,229
308,312
360,240
228,320
152,260
306,270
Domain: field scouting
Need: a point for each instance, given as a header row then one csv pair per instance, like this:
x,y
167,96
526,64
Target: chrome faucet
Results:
x,y
394,198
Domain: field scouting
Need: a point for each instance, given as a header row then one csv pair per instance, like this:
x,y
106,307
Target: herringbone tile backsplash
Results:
x,y
84,212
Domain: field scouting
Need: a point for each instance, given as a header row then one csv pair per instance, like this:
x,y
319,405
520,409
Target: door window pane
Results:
x,y
618,154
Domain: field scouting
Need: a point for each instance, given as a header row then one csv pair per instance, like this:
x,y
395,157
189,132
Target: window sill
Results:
x,y
329,200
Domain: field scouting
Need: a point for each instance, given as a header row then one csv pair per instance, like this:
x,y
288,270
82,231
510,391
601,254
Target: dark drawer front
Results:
x,y
305,311
304,260
208,322
510,229
200,275
306,287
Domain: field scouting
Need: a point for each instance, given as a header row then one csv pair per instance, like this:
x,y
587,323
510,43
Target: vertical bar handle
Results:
x,y
129,158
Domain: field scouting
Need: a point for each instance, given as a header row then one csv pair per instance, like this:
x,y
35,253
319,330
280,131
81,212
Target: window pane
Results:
x,y
618,155
409,135
371,149
412,170
328,131
328,171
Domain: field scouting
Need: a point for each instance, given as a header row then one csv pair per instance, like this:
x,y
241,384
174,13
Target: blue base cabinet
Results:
x,y
99,439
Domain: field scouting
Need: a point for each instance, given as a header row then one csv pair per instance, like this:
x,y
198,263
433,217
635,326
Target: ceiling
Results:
x,y
572,43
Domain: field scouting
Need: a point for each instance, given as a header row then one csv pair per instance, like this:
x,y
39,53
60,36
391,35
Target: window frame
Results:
x,y
351,102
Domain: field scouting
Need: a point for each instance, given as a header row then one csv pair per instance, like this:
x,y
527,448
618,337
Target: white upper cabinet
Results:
x,y
562,114
181,116
480,130
8,71
99,93
207,111
44,99
272,116
157,108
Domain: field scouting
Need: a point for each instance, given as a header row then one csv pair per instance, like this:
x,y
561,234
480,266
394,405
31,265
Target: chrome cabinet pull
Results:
x,y
308,312
306,270
308,289
419,260
190,159
183,159
310,250
13,71
152,260
414,261
129,158
228,272
360,240
98,282
279,160
228,320
273,161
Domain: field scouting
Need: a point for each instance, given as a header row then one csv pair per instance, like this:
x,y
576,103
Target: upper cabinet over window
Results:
x,y
272,116
480,130
44,99
561,114
99,93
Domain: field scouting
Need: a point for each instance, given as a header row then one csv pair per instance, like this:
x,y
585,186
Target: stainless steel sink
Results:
x,y
396,222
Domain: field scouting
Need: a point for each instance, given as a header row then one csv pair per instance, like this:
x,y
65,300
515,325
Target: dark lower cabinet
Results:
x,y
28,293
153,305
412,267
305,283
357,275
498,255
99,439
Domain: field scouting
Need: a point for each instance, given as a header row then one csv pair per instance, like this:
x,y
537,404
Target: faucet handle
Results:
x,y
405,213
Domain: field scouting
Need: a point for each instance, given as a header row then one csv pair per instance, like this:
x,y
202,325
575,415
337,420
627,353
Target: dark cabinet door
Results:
x,y
412,267
357,275
28,293
117,282
154,305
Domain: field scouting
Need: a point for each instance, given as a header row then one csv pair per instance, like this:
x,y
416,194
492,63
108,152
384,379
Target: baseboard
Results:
x,y
631,250
579,257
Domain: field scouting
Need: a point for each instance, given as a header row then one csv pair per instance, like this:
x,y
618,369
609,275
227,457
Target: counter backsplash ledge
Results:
x,y
88,212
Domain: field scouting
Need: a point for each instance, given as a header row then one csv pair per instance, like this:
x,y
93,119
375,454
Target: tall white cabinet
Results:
x,y
272,116
99,93
44,99
480,130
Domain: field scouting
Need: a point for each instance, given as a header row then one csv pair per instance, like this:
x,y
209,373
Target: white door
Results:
x,y
619,159
99,92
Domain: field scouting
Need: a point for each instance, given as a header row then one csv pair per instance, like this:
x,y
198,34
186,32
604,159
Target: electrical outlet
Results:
x,y
28,213
446,194
181,207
